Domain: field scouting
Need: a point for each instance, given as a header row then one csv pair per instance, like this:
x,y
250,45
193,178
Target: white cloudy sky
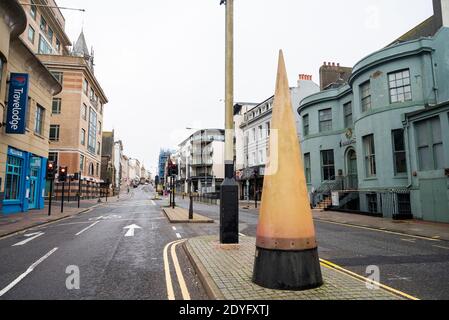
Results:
x,y
161,62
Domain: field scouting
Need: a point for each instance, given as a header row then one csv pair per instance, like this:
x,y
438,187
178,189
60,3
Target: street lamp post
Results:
x,y
229,209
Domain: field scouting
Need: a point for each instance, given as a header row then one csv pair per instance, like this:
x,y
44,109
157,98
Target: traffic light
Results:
x,y
50,170
62,174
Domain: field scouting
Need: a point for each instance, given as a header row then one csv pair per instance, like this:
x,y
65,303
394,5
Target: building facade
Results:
x,y
25,115
253,136
108,169
118,154
200,160
77,113
365,134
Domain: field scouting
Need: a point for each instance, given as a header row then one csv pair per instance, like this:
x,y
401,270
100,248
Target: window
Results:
x,y
43,24
325,120
370,156
253,158
101,108
261,159
56,106
91,169
254,134
33,11
305,123
92,131
404,203
50,34
365,92
98,148
268,129
58,75
400,88
81,163
84,112
31,34
430,144
85,86
54,132
261,132
13,178
98,169
58,45
39,119
92,95
53,157
307,168
347,110
328,165
83,137
44,46
399,156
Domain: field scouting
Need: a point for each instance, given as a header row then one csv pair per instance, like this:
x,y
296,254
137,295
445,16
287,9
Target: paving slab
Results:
x,y
226,273
181,215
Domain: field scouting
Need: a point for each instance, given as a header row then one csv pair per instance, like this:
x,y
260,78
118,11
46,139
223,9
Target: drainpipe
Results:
x,y
434,76
407,138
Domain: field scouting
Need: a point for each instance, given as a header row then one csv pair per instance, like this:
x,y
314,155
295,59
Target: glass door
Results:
x,y
34,182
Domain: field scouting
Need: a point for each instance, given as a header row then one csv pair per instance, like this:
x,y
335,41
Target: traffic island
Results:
x,y
181,215
226,273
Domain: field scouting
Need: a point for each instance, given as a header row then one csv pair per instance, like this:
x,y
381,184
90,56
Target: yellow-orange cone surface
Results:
x,y
285,221
286,250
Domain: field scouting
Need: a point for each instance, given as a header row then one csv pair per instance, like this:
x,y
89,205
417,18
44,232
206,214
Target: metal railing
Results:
x,y
392,203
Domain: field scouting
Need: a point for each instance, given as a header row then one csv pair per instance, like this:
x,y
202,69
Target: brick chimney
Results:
x,y
441,13
331,72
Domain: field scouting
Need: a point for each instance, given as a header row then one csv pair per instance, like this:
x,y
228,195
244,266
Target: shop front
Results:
x,y
24,183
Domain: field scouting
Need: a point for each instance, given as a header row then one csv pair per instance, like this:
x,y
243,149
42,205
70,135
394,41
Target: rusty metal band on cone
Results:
x,y
286,244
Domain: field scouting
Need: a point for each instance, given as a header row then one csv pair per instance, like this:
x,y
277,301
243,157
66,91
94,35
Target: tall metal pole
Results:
x,y
229,209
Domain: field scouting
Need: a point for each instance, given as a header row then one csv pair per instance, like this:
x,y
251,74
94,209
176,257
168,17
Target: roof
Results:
x,y
80,47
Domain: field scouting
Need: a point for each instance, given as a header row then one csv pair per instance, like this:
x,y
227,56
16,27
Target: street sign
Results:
x,y
17,103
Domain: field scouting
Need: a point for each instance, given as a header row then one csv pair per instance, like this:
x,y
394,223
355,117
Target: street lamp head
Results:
x,y
222,2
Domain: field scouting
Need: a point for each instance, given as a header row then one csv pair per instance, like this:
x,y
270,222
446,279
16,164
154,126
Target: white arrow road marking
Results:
x,y
30,237
23,275
87,228
131,228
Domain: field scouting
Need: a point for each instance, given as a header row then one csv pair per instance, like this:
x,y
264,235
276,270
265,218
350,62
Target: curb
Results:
x,y
46,223
380,229
212,291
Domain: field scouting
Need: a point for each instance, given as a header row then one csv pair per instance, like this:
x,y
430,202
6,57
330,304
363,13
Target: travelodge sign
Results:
x,y
17,103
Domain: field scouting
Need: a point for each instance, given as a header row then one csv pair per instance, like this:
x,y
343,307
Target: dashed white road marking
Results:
x,y
441,247
153,203
174,228
242,235
87,228
178,236
23,275
31,237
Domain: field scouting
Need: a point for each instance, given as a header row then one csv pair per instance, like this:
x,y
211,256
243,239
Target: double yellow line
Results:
x,y
330,265
168,279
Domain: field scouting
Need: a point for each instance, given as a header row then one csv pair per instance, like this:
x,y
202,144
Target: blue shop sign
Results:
x,y
17,103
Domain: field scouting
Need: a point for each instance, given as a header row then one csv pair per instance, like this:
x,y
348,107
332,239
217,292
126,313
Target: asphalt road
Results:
x,y
113,265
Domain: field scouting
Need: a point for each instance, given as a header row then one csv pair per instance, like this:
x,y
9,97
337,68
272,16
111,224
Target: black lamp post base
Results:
x,y
287,270
229,212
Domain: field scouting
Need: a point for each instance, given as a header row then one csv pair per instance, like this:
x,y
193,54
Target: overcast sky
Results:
x,y
161,62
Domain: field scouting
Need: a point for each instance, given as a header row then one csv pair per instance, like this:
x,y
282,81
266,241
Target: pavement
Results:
x,y
181,215
411,227
227,275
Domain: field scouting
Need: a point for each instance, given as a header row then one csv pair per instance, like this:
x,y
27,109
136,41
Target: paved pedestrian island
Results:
x,y
226,275
181,215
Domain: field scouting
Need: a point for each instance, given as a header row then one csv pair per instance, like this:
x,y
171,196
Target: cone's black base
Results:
x,y
287,270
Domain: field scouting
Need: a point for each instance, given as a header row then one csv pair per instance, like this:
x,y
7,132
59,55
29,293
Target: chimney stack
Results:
x,y
441,13
332,72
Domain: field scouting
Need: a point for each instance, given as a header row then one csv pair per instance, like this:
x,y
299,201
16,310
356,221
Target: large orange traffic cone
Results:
x,y
286,250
